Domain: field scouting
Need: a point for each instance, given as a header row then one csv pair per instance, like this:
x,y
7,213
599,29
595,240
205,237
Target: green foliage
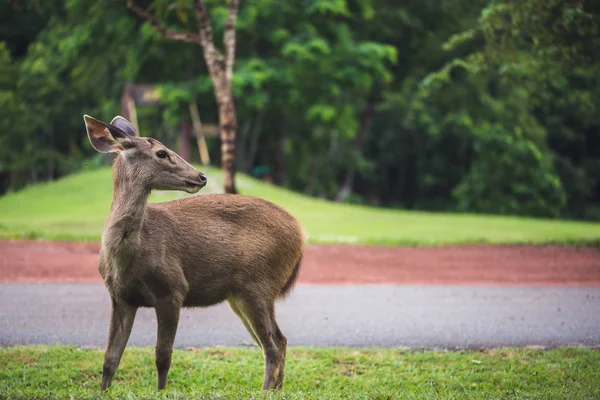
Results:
x,y
452,83
565,32
533,73
11,106
307,74
61,77
510,175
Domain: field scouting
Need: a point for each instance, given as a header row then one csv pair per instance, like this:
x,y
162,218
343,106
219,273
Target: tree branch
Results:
x,y
173,35
229,39
212,56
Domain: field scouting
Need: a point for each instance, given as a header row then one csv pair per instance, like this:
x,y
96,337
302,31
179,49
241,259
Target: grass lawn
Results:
x,y
69,372
77,206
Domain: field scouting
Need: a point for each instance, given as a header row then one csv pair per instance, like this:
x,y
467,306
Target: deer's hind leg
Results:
x,y
236,309
283,343
260,316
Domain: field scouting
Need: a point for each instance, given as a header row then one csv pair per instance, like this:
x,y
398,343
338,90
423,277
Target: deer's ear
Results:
x,y
103,137
124,125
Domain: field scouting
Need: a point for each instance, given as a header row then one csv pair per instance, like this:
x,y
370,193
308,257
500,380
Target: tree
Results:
x,y
312,72
220,67
563,33
412,166
523,99
53,72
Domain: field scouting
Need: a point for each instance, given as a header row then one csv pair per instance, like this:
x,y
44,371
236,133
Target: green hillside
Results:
x,y
76,207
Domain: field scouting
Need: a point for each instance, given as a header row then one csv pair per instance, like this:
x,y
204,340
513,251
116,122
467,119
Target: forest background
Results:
x,y
457,105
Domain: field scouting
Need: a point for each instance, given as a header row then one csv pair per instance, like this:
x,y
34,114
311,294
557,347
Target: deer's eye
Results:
x,y
161,154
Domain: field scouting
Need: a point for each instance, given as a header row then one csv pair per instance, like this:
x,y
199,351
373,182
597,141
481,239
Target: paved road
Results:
x,y
378,315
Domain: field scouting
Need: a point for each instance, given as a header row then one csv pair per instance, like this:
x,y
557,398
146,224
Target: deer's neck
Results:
x,y
121,236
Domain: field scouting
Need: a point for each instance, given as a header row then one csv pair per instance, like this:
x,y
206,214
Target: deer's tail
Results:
x,y
289,285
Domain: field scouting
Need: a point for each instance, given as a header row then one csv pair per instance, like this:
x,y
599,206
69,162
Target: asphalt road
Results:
x,y
367,315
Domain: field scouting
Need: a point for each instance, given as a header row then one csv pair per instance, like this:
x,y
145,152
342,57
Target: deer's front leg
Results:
x,y
121,321
167,315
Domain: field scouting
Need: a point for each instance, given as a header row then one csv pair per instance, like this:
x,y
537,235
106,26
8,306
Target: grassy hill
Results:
x,y
77,206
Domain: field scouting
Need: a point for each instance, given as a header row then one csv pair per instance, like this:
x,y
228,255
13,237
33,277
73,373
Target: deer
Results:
x,y
196,251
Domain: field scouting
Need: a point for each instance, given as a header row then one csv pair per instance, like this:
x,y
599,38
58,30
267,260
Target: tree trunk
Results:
x,y
220,67
128,110
279,172
363,130
227,130
200,139
184,140
346,189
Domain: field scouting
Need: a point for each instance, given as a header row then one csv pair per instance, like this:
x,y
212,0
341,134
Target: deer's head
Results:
x,y
143,161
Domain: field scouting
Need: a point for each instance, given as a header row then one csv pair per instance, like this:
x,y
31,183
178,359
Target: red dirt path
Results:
x,y
38,261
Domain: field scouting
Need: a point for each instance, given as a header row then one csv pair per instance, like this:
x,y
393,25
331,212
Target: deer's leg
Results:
x,y
261,317
121,321
167,315
282,340
236,309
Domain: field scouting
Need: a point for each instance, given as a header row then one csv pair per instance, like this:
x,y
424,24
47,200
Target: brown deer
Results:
x,y
192,252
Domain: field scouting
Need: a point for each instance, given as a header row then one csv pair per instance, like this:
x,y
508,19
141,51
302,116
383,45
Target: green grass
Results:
x,y
70,372
76,207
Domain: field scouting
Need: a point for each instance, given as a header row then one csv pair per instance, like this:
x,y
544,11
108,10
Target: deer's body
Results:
x,y
203,250
197,251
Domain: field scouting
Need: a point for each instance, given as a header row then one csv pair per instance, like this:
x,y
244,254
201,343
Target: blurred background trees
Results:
x,y
468,105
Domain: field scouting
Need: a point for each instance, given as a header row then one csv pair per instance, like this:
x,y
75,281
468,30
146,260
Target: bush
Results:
x,y
510,175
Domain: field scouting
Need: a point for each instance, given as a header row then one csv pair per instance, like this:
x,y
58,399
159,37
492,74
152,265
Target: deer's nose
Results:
x,y
202,177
